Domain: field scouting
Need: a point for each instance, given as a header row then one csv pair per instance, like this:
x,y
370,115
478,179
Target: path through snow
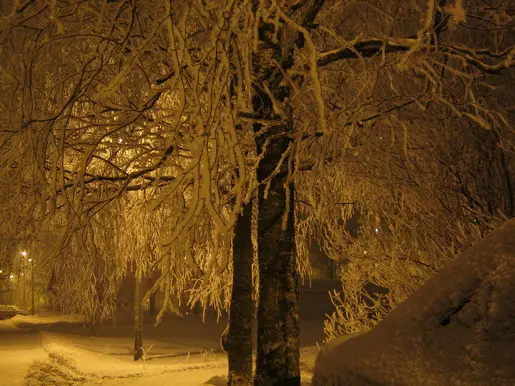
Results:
x,y
181,351
18,348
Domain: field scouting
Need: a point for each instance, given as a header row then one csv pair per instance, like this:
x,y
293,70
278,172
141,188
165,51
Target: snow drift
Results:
x,y
458,328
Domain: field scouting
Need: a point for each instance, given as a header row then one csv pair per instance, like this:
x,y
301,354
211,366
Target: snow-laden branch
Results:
x,y
90,178
365,48
478,58
371,47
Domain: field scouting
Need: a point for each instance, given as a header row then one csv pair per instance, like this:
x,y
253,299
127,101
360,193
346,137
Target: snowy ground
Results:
x,y
18,348
58,350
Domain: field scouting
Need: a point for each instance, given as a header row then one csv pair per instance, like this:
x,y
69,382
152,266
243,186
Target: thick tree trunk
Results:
x,y
239,338
278,348
278,317
138,319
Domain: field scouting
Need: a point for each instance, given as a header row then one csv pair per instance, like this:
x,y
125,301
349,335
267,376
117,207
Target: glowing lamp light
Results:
x,y
24,253
30,260
11,276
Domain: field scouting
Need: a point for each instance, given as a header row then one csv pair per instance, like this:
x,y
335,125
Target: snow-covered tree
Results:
x,y
411,163
202,104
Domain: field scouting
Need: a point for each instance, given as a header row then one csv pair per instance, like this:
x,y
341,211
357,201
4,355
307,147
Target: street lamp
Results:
x,y
31,261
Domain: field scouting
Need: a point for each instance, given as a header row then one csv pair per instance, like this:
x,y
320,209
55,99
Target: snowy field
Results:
x,y
53,349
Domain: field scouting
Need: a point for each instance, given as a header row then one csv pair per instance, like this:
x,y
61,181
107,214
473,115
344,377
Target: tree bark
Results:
x,y
239,338
278,349
138,319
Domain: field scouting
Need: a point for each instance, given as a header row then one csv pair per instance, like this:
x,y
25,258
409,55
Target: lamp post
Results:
x,y
31,261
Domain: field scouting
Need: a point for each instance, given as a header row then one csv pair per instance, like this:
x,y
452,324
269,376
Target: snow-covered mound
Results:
x,y
42,320
458,328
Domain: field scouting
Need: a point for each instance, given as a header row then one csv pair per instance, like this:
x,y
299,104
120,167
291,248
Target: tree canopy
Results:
x,y
148,128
